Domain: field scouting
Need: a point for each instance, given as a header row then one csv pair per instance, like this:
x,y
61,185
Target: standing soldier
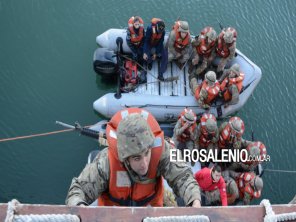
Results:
x,y
207,91
153,46
185,131
135,37
179,43
231,84
225,48
203,49
130,171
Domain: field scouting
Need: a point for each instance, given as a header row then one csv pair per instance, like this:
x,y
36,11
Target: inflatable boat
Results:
x,y
164,99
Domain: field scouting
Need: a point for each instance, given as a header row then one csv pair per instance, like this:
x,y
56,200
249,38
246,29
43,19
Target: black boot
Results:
x,y
149,66
160,77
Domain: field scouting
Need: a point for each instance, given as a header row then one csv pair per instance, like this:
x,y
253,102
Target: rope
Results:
x,y
281,171
194,218
14,205
272,217
37,135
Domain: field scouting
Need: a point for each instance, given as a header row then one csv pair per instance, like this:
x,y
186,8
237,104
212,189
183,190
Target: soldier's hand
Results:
x,y
186,125
145,57
154,56
194,61
196,204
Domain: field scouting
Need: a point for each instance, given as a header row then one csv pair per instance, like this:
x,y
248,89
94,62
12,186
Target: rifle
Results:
x,y
83,130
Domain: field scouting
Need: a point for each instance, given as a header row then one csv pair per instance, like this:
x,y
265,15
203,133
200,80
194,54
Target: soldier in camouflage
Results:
x,y
134,147
185,131
178,44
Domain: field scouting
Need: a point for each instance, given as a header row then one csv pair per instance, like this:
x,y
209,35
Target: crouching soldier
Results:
x,y
207,132
256,154
250,186
231,134
225,48
207,91
185,131
179,43
231,84
203,50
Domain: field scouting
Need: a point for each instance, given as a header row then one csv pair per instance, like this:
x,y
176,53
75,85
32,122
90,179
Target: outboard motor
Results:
x,y
105,61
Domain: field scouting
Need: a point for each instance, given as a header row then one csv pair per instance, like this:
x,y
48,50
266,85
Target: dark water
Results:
x,y
46,50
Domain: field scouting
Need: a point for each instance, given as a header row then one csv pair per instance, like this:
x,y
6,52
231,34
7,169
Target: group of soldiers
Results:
x,y
238,179
199,53
130,171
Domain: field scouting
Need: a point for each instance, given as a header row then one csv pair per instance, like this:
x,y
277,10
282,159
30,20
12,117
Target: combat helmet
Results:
x,y
134,136
188,116
210,77
211,34
183,26
211,125
237,125
230,35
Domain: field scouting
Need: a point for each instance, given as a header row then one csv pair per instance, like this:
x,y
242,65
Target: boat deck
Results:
x,y
178,87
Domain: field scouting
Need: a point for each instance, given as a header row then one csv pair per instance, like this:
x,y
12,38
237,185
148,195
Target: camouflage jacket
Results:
x,y
178,130
171,43
94,179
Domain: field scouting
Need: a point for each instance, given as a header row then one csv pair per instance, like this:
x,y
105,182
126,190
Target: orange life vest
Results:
x,y
226,137
131,74
203,138
238,81
180,43
222,48
204,43
244,186
122,190
155,36
212,91
186,134
136,38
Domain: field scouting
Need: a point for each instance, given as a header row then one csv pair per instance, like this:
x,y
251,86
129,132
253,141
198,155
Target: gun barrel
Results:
x,y
65,125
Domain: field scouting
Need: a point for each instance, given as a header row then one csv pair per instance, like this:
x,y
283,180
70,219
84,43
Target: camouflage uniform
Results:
x,y
184,54
214,140
228,38
233,89
94,179
243,167
210,77
178,130
206,60
237,143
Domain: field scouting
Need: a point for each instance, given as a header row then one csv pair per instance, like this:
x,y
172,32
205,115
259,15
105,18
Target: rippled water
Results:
x,y
46,74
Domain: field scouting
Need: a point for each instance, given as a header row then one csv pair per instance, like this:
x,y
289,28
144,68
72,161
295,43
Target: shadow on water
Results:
x,y
105,82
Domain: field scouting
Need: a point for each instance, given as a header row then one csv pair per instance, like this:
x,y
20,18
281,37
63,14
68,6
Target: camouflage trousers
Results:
x,y
181,56
222,64
205,63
